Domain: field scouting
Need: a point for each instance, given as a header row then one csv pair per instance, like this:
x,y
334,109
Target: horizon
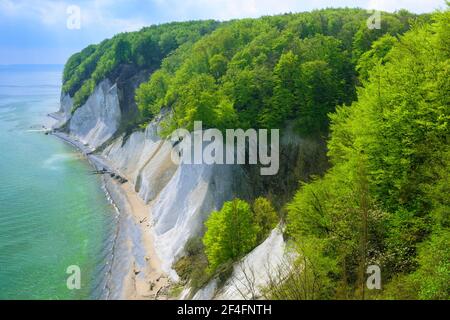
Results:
x,y
40,34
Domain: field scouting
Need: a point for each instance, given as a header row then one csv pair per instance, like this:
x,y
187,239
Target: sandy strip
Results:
x,y
149,282
141,282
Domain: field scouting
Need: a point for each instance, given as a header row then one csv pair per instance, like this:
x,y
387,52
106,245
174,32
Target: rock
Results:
x,y
252,273
98,119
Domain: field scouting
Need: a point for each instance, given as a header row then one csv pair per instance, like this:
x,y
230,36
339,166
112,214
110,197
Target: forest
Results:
x,y
379,97
385,201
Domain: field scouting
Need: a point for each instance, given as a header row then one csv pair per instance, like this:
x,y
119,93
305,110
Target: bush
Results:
x,y
231,233
265,217
192,267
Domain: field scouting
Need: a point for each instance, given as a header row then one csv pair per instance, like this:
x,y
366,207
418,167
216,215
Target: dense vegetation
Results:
x,y
231,233
236,230
383,98
262,72
144,50
386,199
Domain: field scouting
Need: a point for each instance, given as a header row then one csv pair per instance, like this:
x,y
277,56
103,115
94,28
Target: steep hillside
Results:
x,y
385,200
123,97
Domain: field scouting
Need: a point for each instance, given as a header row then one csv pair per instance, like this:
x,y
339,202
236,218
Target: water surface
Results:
x,y
53,211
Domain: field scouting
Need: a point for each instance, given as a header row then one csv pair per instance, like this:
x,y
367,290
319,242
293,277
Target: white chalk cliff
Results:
x,y
98,119
180,196
251,273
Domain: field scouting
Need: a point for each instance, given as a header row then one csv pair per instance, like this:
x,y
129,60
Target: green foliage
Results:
x,y
433,274
392,25
248,62
230,234
144,49
265,217
192,267
385,200
152,93
122,51
376,56
236,230
262,72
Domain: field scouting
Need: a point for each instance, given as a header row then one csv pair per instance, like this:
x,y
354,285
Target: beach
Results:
x,y
136,271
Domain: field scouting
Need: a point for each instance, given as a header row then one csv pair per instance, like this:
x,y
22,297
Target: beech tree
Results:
x,y
265,217
383,200
231,233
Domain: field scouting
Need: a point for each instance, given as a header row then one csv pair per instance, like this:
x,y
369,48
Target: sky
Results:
x,y
47,31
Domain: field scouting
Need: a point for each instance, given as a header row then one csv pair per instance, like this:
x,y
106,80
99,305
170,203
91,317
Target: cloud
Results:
x,y
37,25
47,12
128,15
230,9
226,9
98,16
412,5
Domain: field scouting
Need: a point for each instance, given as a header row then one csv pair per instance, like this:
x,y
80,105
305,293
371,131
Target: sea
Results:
x,y
57,227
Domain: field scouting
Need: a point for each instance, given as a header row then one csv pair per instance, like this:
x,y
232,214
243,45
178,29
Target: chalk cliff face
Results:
x,y
250,274
187,200
145,159
181,196
99,118
66,107
254,271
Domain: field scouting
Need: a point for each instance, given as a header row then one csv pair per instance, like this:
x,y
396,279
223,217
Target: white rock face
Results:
x,y
156,173
65,111
145,159
187,200
66,107
127,156
130,156
181,197
207,292
99,118
252,273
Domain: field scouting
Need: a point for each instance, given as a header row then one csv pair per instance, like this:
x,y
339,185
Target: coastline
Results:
x,y
136,271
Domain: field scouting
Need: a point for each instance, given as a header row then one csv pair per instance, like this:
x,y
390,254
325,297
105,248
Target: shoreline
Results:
x,y
136,269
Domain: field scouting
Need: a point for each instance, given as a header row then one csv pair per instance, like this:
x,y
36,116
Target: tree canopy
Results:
x,y
381,97
262,72
385,200
230,233
144,49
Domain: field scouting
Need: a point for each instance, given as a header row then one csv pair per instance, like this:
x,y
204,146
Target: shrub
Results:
x,y
265,217
231,233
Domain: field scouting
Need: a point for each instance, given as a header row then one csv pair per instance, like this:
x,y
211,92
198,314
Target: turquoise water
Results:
x,y
53,211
